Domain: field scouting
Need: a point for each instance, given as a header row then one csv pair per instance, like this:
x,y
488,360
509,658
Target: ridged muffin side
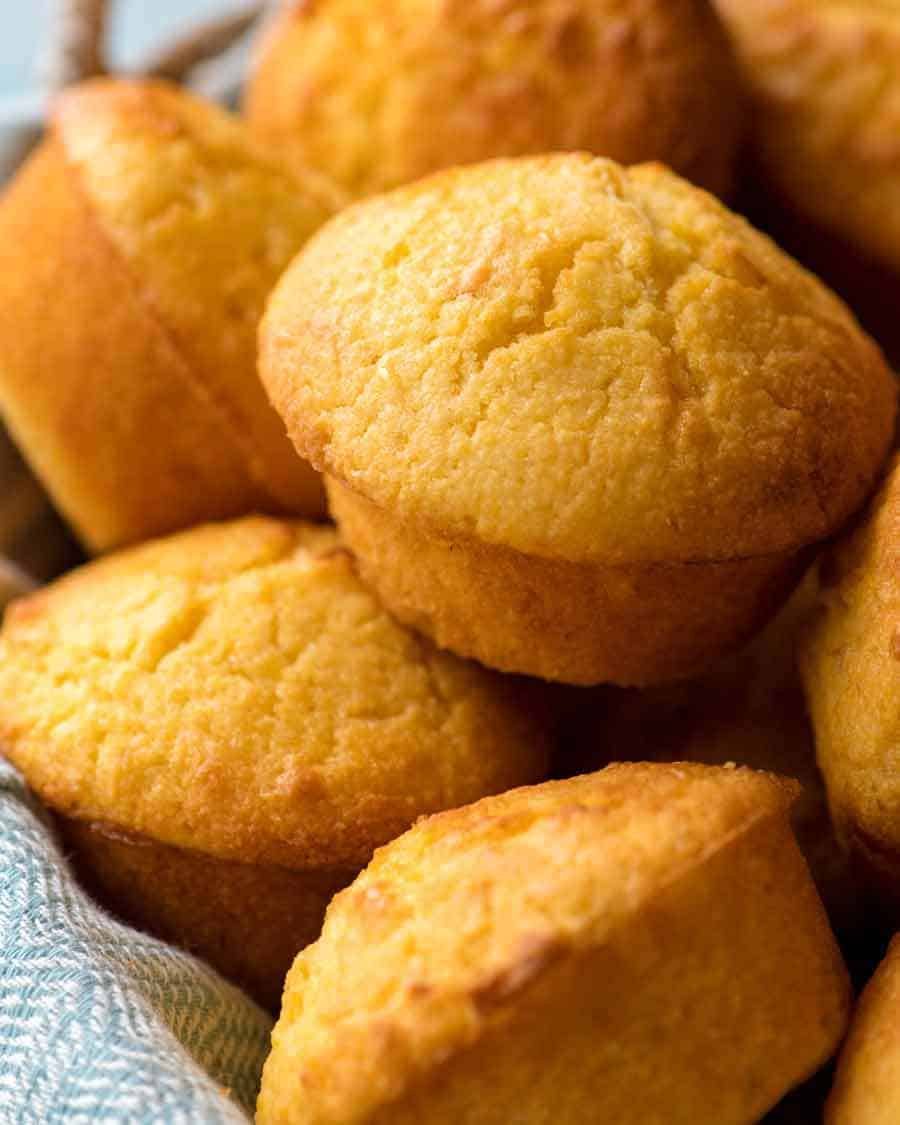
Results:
x,y
137,248
625,946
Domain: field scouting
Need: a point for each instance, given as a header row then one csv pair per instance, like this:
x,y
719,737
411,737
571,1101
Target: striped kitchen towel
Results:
x,y
100,1023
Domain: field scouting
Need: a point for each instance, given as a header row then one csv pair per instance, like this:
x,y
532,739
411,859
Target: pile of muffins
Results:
x,y
558,778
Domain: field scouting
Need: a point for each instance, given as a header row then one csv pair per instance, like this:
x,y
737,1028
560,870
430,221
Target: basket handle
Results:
x,y
76,48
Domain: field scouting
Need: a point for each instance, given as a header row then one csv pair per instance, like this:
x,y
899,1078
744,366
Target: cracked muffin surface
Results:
x,y
580,362
236,690
442,82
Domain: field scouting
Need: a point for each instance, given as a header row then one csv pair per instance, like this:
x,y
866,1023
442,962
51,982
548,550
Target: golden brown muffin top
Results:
x,y
235,689
574,360
205,220
440,82
455,918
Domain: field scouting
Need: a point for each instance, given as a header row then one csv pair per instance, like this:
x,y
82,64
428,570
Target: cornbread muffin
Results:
x,y
228,724
579,422
851,671
441,82
825,79
867,1087
137,248
627,946
748,710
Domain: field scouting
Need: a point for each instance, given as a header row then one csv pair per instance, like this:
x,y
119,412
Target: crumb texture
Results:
x,y
236,690
851,671
560,356
441,82
206,221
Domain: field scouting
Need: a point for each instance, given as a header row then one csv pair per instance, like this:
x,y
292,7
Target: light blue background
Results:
x,y
137,26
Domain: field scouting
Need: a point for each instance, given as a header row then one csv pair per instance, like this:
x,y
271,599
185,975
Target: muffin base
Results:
x,y
579,623
246,920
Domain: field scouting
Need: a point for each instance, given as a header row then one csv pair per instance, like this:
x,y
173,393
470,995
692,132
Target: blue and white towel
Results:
x,y
100,1023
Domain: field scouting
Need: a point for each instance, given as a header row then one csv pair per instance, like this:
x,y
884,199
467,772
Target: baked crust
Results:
x,y
137,248
851,675
441,82
236,690
578,623
625,946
